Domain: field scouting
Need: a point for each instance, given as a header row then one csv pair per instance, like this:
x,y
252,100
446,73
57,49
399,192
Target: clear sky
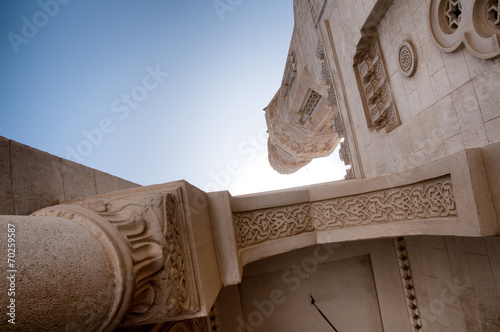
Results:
x,y
151,91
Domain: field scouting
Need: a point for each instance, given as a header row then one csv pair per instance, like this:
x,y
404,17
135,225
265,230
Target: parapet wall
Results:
x,y
31,179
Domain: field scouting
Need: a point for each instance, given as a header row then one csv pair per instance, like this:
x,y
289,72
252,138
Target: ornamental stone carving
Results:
x,y
338,125
408,286
475,24
374,87
426,200
344,153
312,102
160,240
153,226
431,199
290,74
288,142
407,59
270,224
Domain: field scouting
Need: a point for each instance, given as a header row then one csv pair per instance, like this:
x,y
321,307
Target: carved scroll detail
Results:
x,y
430,199
164,281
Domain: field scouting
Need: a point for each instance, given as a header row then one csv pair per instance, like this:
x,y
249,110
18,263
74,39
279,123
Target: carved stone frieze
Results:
x,y
475,24
374,86
432,199
426,200
270,224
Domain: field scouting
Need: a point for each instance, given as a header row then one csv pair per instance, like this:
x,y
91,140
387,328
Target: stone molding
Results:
x,y
408,285
475,24
317,9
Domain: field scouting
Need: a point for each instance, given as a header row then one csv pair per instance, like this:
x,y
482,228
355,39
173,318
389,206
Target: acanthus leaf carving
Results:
x,y
153,227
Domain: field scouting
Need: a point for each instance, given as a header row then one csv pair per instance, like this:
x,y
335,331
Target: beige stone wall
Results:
x,y
457,280
31,179
356,284
449,104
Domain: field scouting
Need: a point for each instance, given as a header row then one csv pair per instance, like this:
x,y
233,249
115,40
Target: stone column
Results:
x,y
65,274
134,257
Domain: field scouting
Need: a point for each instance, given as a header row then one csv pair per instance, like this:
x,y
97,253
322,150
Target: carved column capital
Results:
x,y
158,245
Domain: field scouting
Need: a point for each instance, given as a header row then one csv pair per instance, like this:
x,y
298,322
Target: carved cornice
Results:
x,y
430,199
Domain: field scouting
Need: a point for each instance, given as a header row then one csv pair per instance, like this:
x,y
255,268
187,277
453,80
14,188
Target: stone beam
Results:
x,y
446,197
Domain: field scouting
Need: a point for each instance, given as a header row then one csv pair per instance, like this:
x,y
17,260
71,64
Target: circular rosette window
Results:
x,y
475,24
486,17
447,19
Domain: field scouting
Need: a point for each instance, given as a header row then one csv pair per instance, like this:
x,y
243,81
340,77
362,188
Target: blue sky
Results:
x,y
151,91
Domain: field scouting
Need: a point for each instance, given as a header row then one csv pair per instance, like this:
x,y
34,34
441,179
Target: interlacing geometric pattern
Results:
x,y
430,199
425,200
270,224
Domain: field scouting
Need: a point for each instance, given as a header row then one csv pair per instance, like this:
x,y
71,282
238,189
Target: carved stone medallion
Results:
x,y
406,59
